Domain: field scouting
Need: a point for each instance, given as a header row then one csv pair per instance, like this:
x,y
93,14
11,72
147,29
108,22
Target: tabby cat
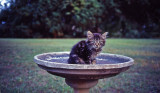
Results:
x,y
85,51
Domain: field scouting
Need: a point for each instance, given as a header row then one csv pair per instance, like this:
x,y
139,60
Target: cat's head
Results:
x,y
96,40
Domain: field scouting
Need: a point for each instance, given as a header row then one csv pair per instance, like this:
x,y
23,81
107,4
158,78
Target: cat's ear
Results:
x,y
104,35
89,34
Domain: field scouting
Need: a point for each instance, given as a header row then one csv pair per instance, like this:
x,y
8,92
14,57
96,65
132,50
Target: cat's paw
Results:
x,y
94,62
80,61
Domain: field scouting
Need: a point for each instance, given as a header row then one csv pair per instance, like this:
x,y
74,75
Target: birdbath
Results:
x,y
82,77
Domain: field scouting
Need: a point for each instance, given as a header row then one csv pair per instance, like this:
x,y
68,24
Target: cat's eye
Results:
x,y
91,41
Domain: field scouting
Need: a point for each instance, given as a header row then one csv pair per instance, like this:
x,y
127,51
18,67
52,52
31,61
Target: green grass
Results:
x,y
19,74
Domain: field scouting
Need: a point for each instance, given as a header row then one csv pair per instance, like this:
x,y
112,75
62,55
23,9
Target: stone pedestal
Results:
x,y
81,85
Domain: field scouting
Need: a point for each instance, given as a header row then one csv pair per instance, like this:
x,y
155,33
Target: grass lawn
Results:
x,y
19,74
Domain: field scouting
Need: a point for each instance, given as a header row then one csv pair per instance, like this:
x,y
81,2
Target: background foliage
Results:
x,y
72,18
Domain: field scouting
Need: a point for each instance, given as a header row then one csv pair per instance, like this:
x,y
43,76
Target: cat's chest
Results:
x,y
94,55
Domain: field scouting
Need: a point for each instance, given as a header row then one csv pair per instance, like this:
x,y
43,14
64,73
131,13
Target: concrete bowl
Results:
x,y
81,77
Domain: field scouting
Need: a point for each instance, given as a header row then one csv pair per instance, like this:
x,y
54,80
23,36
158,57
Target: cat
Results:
x,y
86,51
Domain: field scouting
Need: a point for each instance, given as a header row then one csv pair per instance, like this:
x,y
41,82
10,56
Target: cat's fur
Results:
x,y
86,51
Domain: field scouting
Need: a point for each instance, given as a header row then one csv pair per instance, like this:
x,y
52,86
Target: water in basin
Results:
x,y
101,59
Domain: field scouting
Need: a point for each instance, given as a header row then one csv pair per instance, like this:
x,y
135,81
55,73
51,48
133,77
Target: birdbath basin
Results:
x,y
82,77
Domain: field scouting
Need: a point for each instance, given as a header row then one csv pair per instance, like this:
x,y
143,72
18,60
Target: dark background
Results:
x,y
72,18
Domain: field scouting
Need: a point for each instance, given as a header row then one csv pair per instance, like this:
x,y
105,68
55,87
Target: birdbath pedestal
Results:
x,y
82,77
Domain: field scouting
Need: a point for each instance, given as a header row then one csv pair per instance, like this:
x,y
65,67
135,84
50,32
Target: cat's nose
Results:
x,y
96,45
